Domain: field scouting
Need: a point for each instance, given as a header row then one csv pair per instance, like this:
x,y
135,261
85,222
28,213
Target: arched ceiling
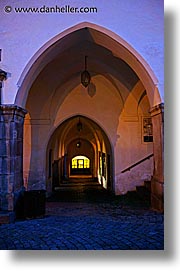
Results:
x,y
70,63
68,59
68,132
61,59
63,63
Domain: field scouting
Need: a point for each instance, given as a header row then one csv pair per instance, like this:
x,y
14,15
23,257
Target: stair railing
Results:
x,y
137,163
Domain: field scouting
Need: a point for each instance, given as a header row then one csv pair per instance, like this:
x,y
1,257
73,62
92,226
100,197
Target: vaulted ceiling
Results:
x,y
62,64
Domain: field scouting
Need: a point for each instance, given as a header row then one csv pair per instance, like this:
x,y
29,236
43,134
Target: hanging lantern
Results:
x,y
78,144
85,75
79,126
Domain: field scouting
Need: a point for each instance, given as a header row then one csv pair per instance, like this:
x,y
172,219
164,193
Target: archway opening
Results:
x,y
74,155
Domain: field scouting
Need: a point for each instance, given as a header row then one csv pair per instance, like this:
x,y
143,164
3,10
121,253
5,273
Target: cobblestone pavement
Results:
x,y
86,226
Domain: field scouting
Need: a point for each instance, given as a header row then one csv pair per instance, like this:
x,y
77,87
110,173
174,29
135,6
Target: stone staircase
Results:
x,y
144,192
141,194
85,191
90,192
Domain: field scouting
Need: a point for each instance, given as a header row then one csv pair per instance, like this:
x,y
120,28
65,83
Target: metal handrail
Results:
x,y
137,163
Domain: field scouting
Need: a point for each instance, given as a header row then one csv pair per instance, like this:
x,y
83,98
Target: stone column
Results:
x,y
11,155
157,184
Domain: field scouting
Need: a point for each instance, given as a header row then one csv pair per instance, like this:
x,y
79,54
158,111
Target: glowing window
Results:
x,y
86,163
80,162
74,163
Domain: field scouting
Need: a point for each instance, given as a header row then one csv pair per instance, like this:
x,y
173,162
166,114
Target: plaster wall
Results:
x,y
130,149
139,23
104,107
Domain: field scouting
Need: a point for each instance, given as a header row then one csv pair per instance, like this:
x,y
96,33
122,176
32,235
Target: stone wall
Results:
x,y
11,155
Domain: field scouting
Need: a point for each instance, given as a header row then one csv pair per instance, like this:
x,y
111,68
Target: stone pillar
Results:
x,y
157,184
11,155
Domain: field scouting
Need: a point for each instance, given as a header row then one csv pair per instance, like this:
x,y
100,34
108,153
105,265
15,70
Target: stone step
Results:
x,y
77,185
142,189
147,184
144,193
78,192
141,194
79,180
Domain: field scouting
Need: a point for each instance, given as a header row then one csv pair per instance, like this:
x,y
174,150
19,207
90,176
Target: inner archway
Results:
x,y
79,148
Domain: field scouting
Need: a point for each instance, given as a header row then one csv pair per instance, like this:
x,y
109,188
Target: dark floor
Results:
x,y
86,217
